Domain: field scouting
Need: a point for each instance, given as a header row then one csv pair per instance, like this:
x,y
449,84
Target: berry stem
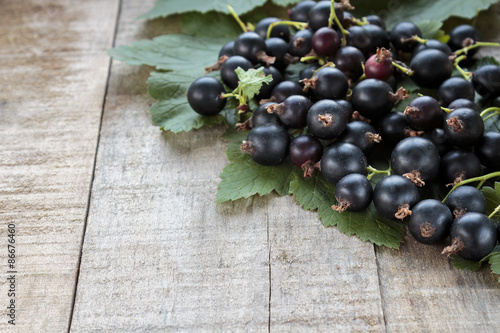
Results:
x,y
296,25
402,68
466,75
237,18
372,172
446,110
475,45
494,212
419,39
481,179
495,111
361,22
333,17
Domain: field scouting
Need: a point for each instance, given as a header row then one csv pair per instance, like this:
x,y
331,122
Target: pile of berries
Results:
x,y
340,115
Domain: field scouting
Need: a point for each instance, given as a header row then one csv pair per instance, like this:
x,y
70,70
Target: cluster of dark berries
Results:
x,y
343,112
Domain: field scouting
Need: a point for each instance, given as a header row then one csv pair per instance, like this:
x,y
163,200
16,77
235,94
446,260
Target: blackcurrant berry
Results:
x,y
360,38
301,43
455,88
253,47
473,236
379,38
379,66
293,111
433,44
424,113
430,221
325,42
349,60
261,117
342,159
417,159
372,98
267,88
319,14
204,96
487,149
458,165
304,152
466,199
464,103
285,89
280,31
394,196
267,144
486,81
227,50
393,128
300,12
401,35
462,36
353,193
376,20
227,71
278,48
463,127
326,119
361,134
431,67
329,83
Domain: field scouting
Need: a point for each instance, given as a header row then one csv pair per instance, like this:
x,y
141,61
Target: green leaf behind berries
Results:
x,y
251,80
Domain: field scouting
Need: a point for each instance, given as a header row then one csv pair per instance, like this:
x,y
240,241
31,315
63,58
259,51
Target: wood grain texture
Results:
x,y
160,255
54,71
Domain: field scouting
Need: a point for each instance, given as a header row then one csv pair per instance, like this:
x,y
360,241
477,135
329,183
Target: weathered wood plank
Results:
x,y
159,254
421,291
54,70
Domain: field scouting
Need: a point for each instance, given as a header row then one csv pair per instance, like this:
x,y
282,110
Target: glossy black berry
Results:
x,y
473,236
251,46
464,103
278,48
455,88
227,71
349,60
293,111
326,119
417,159
304,152
378,38
463,127
393,128
300,12
285,89
261,117
431,68
330,83
361,134
204,96
458,165
267,144
319,14
486,81
325,42
464,35
372,98
430,221
280,31
353,193
376,20
466,199
360,38
227,50
394,196
301,43
342,159
488,150
267,88
401,35
433,44
424,113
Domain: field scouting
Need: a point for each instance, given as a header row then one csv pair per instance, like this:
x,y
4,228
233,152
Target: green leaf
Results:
x,y
460,263
492,197
317,193
419,10
430,28
210,24
243,178
164,8
251,80
285,3
494,261
181,53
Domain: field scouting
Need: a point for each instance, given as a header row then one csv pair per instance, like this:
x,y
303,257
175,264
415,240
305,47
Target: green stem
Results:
x,y
296,25
403,69
488,110
472,180
466,75
333,17
372,172
419,39
475,45
446,109
361,22
492,115
309,58
237,18
494,212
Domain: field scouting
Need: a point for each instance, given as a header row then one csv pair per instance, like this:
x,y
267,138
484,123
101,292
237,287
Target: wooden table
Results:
x,y
116,226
